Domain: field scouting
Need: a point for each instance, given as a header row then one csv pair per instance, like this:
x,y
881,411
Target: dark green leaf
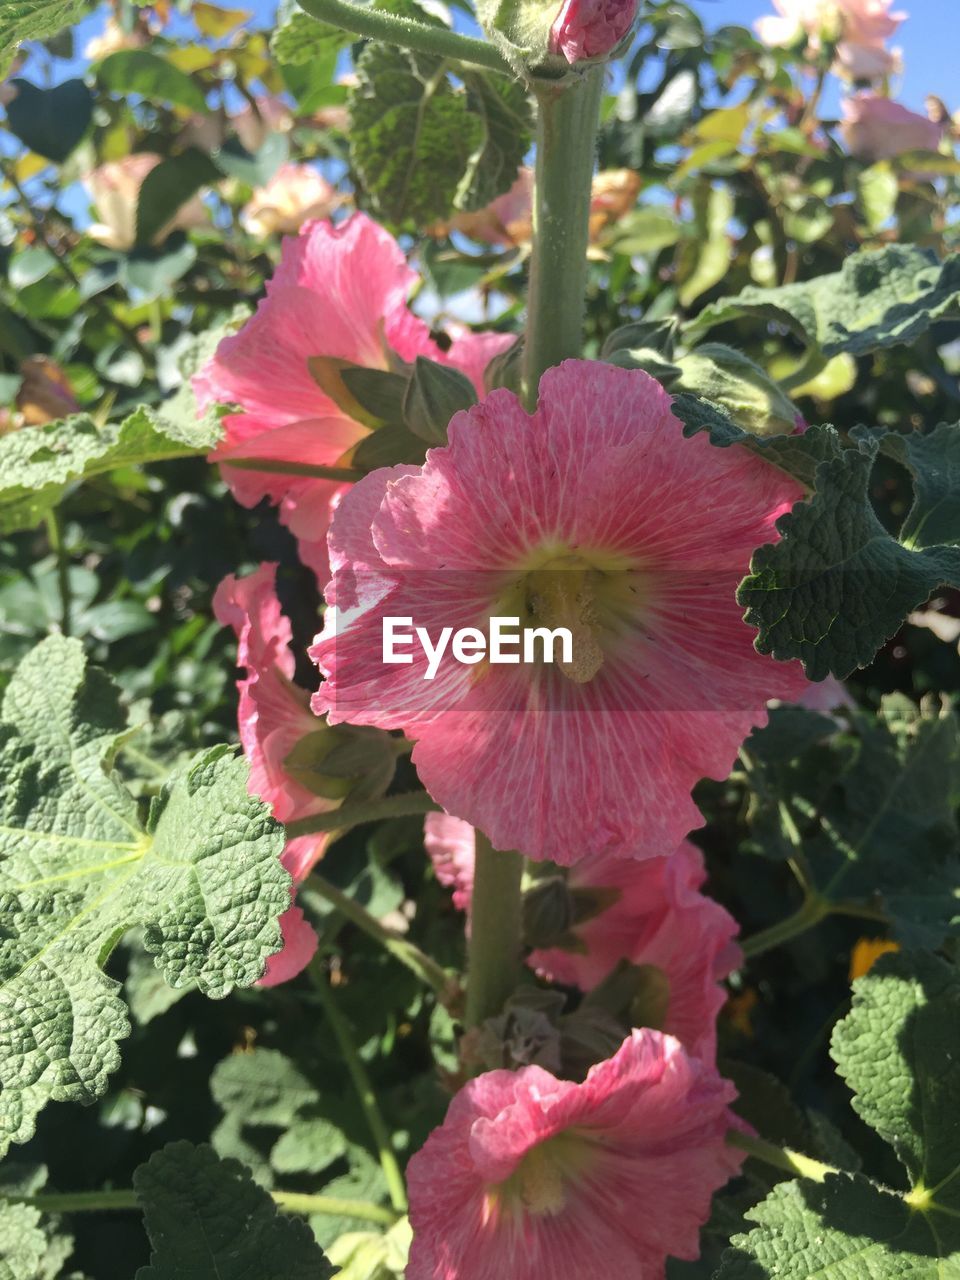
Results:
x,y
254,169
206,1217
168,186
33,20
50,121
434,394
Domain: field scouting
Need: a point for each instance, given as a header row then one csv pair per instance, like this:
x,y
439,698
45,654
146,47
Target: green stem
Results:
x,y
55,538
286,1202
406,33
792,1162
402,805
496,924
810,913
294,468
401,948
361,1082
567,120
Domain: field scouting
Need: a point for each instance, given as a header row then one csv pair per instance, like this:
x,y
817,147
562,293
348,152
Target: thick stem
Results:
x,y
401,948
406,33
496,923
567,118
401,805
365,1090
286,1202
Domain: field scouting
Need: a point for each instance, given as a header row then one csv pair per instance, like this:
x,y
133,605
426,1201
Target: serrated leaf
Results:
x,y
876,300
38,464
263,1087
933,460
503,106
898,1049
300,39
201,877
798,454
33,1245
206,1217
412,135
34,20
838,585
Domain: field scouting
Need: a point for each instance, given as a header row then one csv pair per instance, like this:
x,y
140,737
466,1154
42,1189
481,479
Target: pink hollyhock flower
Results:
x,y
274,716
655,916
875,128
591,28
340,292
532,1177
861,27
451,844
596,514
295,194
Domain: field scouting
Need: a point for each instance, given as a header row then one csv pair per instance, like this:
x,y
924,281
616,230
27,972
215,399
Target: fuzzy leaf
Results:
x,y
202,877
299,39
35,20
503,107
39,463
838,585
206,1217
898,1049
859,800
412,135
877,299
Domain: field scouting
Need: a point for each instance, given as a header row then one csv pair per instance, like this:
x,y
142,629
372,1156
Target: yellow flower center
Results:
x,y
538,1185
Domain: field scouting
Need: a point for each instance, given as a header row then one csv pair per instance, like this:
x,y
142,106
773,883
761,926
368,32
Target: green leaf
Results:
x,y
170,185
746,392
858,800
876,300
798,455
33,20
151,77
434,394
39,463
32,1244
50,121
838,585
877,191
933,460
201,876
299,39
705,258
422,146
254,168
206,1217
148,273
898,1051
503,107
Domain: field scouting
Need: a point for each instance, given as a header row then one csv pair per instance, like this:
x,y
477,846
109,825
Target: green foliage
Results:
x,y
34,20
877,299
422,146
205,1216
897,1050
850,803
152,77
50,121
838,585
201,875
170,185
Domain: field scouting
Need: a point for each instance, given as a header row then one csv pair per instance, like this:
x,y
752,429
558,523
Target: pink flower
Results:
x,y
254,125
596,514
591,28
875,128
860,26
654,915
295,194
530,1177
274,717
451,844
341,292
298,949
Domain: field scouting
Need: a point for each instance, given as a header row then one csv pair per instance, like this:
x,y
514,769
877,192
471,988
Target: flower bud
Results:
x,y
588,29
